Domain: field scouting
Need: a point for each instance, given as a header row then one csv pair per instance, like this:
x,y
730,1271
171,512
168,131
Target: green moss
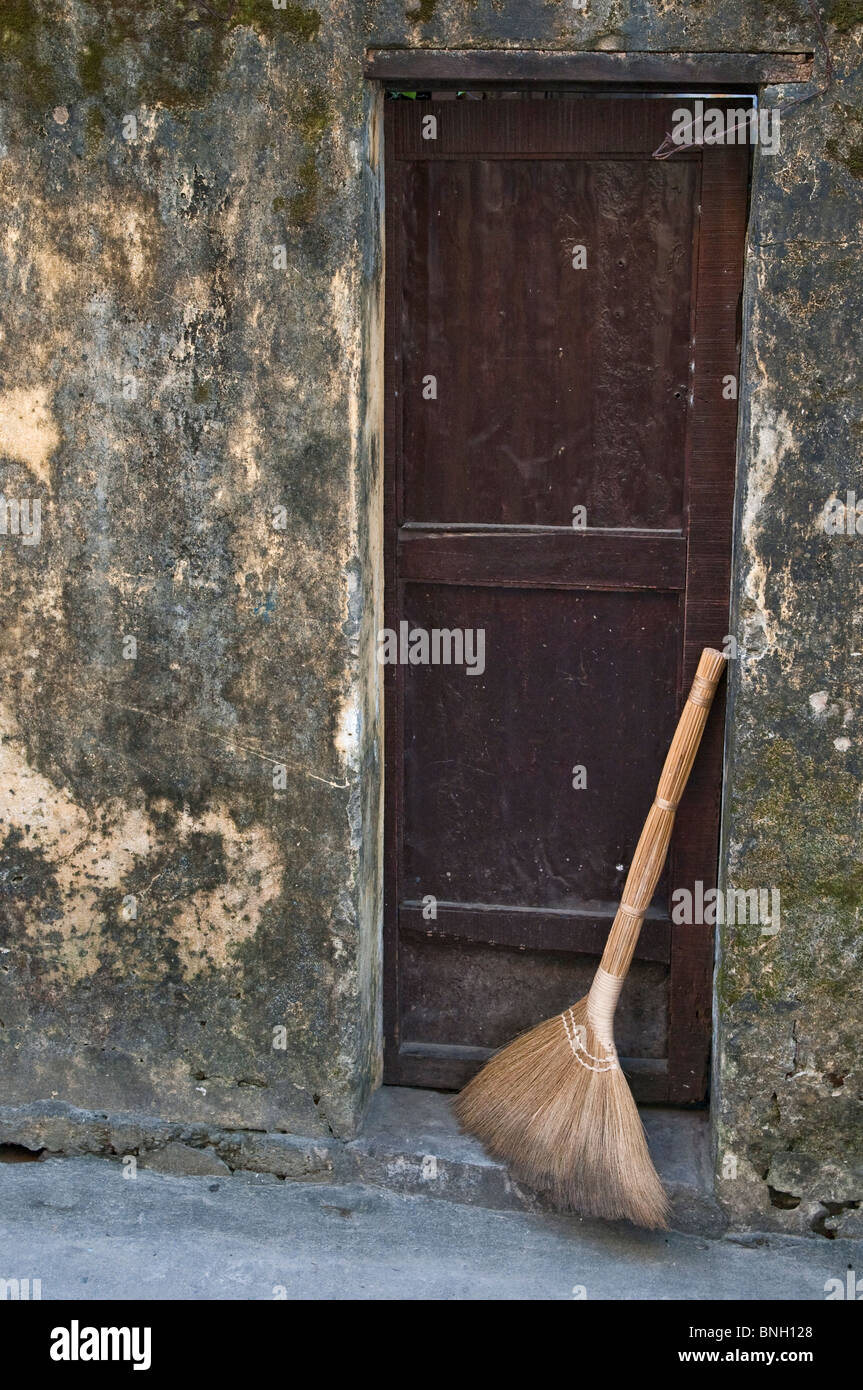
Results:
x,y
301,208
279,205
851,157
20,25
423,13
203,47
792,11
312,120
844,15
202,393
854,160
129,19
795,818
182,46
803,813
90,63
94,128
294,20
845,891
20,35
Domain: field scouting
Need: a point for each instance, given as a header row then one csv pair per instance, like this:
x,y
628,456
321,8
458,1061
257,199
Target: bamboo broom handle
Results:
x,y
652,848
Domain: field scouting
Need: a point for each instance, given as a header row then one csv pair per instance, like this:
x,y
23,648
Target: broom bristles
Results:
x,y
562,1117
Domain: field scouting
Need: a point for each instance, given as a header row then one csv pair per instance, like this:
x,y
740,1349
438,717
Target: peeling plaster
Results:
x,y
28,430
773,440
92,852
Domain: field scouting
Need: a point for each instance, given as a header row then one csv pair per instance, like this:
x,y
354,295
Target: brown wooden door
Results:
x,y
561,313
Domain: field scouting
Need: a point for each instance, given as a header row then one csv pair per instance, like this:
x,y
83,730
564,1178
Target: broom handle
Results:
x,y
652,848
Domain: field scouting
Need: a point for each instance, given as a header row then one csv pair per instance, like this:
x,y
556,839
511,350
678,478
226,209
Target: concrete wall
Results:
x,y
148,249
168,378
788,1081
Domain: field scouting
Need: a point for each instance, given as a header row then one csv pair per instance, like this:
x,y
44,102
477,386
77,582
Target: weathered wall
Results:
x,y
789,1087
152,257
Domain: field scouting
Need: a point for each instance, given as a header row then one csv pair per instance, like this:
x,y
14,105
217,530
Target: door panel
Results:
x,y
490,813
489,994
576,380
520,384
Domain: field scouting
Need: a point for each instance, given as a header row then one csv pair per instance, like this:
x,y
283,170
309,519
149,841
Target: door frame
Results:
x,y
599,75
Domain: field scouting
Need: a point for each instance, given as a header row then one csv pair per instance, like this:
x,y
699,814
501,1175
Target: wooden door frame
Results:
x,y
711,509
597,72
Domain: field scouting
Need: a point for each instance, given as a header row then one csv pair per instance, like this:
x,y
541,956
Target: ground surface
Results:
x,y
87,1232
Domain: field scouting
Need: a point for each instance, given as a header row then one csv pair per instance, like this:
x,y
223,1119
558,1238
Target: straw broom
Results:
x,y
554,1104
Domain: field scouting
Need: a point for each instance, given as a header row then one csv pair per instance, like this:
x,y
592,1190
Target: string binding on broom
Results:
x,y
576,1032
601,1003
702,692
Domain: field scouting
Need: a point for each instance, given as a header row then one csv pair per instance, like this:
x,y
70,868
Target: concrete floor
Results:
x,y
87,1232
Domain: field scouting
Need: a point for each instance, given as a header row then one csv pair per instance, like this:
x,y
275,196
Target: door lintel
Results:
x,y
497,67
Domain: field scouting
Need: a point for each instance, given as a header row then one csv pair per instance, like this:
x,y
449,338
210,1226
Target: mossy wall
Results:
x,y
189,382
788,1099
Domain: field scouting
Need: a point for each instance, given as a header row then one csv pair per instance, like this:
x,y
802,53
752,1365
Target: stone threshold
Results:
x,y
410,1144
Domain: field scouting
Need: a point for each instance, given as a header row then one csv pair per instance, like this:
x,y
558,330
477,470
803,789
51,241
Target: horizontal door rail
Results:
x,y
449,1066
578,931
556,559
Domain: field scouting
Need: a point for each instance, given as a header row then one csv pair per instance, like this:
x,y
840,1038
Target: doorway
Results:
x,y
562,338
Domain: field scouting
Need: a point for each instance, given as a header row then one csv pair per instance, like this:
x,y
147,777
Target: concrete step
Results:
x,y
410,1144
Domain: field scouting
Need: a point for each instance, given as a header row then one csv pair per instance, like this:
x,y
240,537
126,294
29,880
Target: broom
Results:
x,y
555,1104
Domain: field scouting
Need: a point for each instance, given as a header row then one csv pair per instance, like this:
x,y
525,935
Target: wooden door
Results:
x,y
561,318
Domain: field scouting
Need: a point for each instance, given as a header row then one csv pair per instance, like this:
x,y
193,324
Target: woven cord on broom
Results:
x,y
554,1103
